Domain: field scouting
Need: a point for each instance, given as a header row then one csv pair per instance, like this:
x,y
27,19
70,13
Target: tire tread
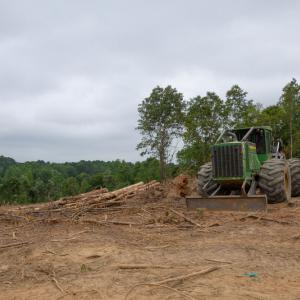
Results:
x,y
271,180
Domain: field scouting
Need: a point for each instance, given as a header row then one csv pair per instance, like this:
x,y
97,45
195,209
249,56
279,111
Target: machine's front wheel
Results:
x,y
275,180
294,164
205,183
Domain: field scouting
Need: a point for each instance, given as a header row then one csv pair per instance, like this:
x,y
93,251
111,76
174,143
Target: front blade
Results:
x,y
234,203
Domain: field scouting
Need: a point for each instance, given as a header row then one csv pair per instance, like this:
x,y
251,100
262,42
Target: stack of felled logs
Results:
x,y
104,198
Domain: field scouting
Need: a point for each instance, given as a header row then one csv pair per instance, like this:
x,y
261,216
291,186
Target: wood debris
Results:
x,y
14,245
190,275
101,198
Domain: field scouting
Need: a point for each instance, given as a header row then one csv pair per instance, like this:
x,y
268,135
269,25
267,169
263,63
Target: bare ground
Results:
x,y
258,256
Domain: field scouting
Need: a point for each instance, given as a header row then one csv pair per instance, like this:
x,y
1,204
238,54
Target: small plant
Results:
x,y
200,212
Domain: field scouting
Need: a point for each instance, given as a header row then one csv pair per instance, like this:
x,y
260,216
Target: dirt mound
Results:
x,y
181,186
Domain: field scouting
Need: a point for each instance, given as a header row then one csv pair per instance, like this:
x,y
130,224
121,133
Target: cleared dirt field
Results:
x,y
118,253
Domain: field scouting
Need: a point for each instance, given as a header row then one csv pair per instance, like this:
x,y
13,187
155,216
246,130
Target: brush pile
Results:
x,y
102,198
92,202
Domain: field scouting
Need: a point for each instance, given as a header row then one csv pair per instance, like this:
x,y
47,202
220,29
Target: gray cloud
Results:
x,y
72,72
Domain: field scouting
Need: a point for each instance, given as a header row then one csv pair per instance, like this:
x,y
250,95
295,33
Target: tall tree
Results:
x,y
204,118
240,111
204,121
290,101
160,123
273,116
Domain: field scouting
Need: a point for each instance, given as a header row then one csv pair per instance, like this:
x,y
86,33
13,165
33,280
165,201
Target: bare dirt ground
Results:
x,y
115,253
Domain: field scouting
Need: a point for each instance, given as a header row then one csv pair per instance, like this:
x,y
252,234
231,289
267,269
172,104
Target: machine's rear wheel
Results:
x,y
275,180
205,180
294,164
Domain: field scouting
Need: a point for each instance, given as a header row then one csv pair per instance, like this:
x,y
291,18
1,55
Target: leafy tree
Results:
x,y
146,170
290,101
204,121
110,182
240,111
12,186
274,116
5,163
39,190
85,186
71,186
96,181
191,157
160,123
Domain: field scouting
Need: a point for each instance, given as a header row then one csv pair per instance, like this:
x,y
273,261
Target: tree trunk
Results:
x,y
162,166
291,137
162,155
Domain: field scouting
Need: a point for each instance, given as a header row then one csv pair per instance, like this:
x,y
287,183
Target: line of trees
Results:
x,y
39,181
165,117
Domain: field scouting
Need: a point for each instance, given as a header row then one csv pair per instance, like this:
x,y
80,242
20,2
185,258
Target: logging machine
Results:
x,y
247,171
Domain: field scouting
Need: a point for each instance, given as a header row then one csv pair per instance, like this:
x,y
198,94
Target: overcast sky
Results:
x,y
73,72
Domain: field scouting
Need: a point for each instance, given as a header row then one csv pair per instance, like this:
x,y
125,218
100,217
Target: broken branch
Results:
x,y
160,286
184,217
14,245
140,266
183,277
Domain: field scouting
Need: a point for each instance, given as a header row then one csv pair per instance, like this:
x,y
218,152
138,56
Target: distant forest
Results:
x,y
38,181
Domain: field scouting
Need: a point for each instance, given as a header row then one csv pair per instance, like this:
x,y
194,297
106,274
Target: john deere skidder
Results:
x,y
246,171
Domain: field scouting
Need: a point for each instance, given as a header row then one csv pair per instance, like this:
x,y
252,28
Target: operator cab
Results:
x,y
261,137
257,136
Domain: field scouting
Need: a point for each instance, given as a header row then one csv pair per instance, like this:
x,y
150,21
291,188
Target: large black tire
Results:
x,y
294,164
275,180
204,176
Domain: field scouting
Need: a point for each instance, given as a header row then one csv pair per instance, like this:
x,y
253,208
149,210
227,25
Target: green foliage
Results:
x,y
290,102
283,118
207,116
204,118
204,121
71,186
240,112
32,182
192,156
5,163
273,116
160,122
96,181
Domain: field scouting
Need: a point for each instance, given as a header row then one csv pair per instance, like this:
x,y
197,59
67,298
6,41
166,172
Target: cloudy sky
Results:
x,y
72,72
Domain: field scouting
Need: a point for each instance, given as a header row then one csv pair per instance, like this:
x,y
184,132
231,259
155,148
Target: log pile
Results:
x,y
103,198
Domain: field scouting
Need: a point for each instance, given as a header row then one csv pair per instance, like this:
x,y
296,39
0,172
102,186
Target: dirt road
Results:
x,y
110,254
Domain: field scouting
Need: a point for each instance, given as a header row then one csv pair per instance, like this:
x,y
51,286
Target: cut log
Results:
x,y
101,198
